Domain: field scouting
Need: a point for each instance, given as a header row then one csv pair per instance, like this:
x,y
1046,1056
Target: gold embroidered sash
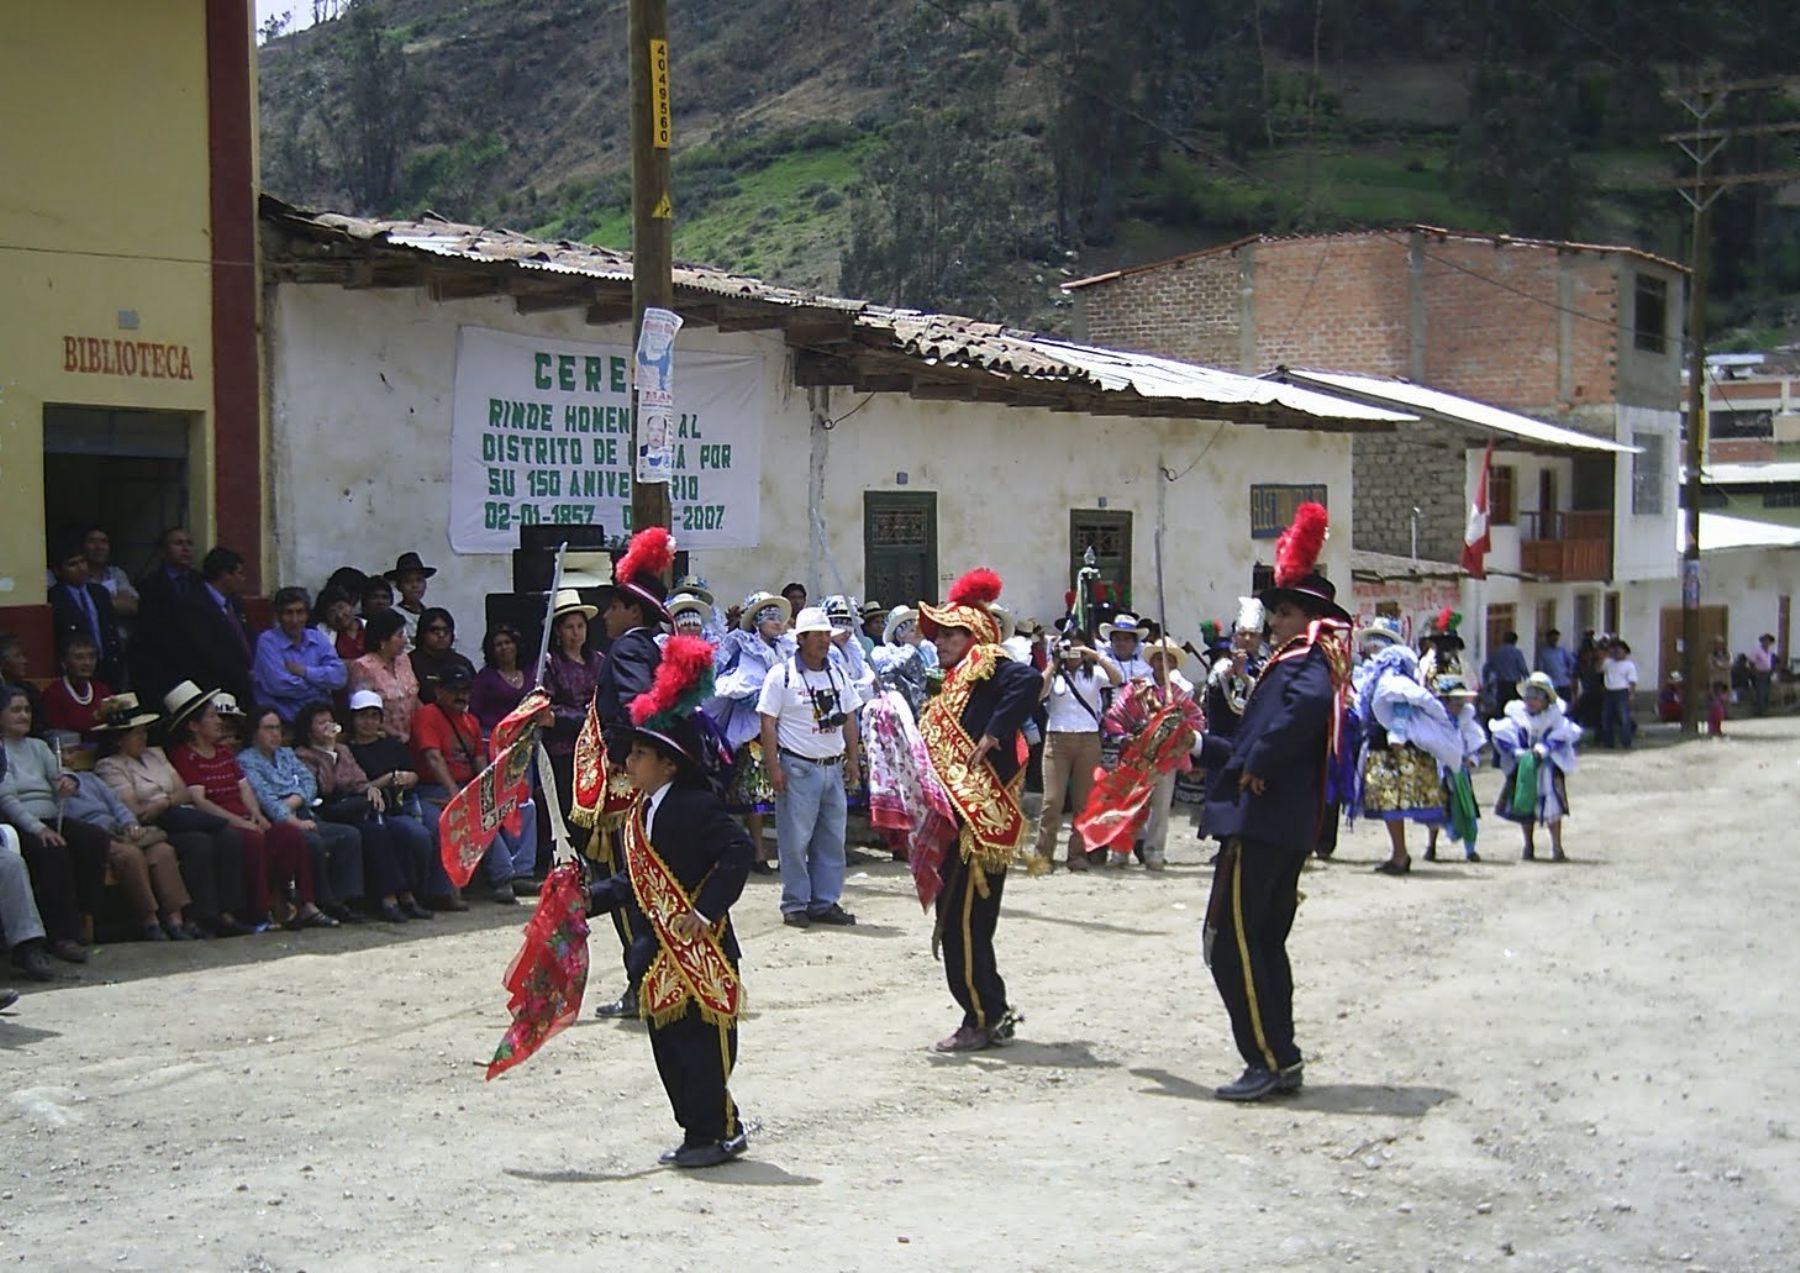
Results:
x,y
993,824
684,970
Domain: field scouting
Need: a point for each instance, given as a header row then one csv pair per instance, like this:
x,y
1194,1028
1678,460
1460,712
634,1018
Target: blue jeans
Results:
x,y
809,830
1616,725
502,860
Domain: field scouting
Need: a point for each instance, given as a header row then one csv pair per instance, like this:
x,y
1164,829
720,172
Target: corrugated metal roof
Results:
x,y
1384,567
1720,533
932,340
1403,395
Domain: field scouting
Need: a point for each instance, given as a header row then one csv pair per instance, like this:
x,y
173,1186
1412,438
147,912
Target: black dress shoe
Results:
x,y
1290,1078
8,997
624,1007
759,868
833,914
417,911
1252,1085
695,1157
33,962
668,1155
392,914
797,919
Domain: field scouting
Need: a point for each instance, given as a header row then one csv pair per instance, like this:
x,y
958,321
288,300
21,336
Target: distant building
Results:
x,y
1752,407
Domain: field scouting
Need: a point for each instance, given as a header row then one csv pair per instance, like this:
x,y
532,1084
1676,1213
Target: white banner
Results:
x,y
541,432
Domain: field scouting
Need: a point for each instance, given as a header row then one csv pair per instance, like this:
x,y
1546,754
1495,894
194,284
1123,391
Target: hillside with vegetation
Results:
x,y
973,154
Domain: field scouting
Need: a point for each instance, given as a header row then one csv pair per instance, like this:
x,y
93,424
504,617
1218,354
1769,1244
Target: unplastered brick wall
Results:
x,y
1336,303
1417,466
1186,309
1500,327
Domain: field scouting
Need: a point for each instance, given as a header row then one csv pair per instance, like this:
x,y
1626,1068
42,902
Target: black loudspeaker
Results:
x,y
545,538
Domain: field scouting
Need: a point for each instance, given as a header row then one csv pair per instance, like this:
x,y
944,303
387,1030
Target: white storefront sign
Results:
x,y
541,433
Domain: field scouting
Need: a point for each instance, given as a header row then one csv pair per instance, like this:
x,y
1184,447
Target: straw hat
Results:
x,y
812,619
1167,650
1383,628
226,704
695,586
568,601
687,603
1539,683
898,617
121,712
185,700
757,602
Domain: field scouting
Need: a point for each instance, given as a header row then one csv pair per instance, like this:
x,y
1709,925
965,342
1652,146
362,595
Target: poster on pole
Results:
x,y
656,394
541,433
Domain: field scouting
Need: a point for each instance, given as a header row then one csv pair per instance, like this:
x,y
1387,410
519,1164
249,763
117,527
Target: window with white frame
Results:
x,y
1647,470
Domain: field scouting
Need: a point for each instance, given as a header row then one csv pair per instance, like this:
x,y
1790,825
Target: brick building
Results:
x,y
1582,336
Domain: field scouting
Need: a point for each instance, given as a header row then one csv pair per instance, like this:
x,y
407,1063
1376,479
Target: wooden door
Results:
x,y
1108,533
1714,625
900,547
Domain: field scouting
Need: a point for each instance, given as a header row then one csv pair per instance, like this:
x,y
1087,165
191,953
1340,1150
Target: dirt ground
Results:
x,y
1509,1065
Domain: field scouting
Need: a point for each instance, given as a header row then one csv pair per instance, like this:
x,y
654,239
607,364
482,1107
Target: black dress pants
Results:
x,y
609,850
695,1057
1249,959
966,922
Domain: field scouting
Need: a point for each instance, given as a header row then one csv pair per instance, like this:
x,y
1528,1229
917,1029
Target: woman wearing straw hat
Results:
x,y
1535,742
570,674
744,659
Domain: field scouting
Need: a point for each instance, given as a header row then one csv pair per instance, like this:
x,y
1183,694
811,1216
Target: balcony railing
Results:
x,y
1564,546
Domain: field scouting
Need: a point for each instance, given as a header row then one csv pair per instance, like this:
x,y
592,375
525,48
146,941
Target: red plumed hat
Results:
x,y
1297,578
683,681
639,573
967,607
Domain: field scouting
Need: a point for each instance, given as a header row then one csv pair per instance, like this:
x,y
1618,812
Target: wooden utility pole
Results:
x,y
1702,145
652,209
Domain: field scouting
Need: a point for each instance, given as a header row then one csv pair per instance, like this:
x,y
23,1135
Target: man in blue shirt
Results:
x,y
79,607
1557,663
296,664
1504,673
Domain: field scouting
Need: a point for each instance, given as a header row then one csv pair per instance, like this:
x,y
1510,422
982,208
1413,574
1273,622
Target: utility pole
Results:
x,y
1702,145
652,210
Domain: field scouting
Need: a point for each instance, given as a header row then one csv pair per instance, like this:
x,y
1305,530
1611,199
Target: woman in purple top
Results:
x,y
501,683
569,679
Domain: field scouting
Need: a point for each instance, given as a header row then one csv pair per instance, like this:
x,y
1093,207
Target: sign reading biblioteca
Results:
x,y
541,433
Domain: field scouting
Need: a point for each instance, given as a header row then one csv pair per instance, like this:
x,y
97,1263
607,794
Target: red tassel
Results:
x,y
685,661
651,552
980,587
1297,551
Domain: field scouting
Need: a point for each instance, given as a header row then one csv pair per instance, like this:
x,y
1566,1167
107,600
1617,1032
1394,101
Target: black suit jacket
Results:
x,y
155,638
629,667
707,849
68,619
1000,706
1282,740
209,652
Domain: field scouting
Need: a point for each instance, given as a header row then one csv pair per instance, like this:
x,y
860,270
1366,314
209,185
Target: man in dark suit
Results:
x,y
690,859
79,607
155,640
1265,803
971,730
634,614
216,646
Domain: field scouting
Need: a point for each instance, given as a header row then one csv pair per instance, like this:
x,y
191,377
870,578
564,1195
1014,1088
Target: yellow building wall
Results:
x,y
104,207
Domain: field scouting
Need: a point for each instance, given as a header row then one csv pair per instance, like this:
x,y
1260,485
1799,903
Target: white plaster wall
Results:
x,y
361,382
1641,542
1748,582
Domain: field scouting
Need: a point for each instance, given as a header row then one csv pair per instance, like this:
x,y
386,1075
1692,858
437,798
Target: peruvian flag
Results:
x,y
1476,540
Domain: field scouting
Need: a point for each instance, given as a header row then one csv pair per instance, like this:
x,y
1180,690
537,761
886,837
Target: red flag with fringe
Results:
x,y
476,814
548,976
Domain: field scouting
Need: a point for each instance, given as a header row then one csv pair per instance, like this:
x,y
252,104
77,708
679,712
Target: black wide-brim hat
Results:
x,y
1449,640
1314,594
409,561
647,588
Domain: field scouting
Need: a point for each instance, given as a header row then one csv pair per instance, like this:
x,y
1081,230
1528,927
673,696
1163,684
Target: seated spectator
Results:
x,y
94,803
79,607
388,764
295,665
335,619
278,856
215,643
501,683
212,854
397,849
387,670
447,751
378,595
73,701
154,646
408,576
434,654
348,580
286,792
231,722
96,545
14,669
31,797
21,927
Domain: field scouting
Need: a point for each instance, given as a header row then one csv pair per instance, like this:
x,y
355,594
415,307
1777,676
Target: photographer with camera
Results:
x,y
1072,695
808,708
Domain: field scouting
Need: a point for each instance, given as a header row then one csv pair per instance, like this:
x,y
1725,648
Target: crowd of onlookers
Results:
x,y
229,780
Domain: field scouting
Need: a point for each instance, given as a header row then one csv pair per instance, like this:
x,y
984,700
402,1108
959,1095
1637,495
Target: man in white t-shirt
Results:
x,y
808,708
1072,691
1125,636
1619,677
